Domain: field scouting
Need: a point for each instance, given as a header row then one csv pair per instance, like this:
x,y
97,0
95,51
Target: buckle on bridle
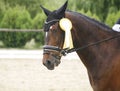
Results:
x,y
64,51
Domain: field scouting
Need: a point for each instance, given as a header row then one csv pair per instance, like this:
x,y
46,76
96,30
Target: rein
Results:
x,y
65,51
93,44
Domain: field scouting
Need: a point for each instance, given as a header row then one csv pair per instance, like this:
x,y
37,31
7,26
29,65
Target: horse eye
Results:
x,y
53,27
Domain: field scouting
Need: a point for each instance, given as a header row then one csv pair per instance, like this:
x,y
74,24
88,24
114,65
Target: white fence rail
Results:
x,y
21,30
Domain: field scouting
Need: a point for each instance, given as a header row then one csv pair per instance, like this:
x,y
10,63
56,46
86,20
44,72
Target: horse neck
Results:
x,y
86,31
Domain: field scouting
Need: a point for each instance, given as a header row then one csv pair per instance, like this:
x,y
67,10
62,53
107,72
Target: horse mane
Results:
x,y
92,20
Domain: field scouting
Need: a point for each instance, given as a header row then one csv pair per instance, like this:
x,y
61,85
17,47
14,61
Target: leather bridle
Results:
x,y
48,48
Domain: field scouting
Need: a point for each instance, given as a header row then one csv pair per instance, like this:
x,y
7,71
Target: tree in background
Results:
x,y
16,18
98,7
23,14
112,18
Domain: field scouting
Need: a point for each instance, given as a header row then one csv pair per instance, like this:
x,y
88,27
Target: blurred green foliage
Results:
x,y
27,14
17,18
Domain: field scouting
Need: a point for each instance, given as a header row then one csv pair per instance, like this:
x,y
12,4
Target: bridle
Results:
x,y
65,51
55,20
48,48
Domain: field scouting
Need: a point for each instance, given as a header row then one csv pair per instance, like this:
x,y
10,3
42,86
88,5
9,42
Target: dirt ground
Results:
x,y
22,70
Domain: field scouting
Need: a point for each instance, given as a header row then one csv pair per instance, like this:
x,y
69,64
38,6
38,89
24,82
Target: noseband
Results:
x,y
48,48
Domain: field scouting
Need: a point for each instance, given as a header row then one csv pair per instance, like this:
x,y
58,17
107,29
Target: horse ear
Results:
x,y
62,9
47,12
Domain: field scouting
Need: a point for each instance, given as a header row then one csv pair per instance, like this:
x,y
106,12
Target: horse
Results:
x,y
96,44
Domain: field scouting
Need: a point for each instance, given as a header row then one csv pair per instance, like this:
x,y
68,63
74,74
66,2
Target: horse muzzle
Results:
x,y
53,54
51,62
51,57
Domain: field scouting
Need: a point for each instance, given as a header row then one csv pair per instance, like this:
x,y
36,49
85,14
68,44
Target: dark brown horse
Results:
x,y
96,44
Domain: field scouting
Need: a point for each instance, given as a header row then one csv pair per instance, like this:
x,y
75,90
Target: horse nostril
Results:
x,y
48,62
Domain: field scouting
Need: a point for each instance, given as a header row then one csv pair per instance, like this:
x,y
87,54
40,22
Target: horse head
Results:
x,y
54,37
